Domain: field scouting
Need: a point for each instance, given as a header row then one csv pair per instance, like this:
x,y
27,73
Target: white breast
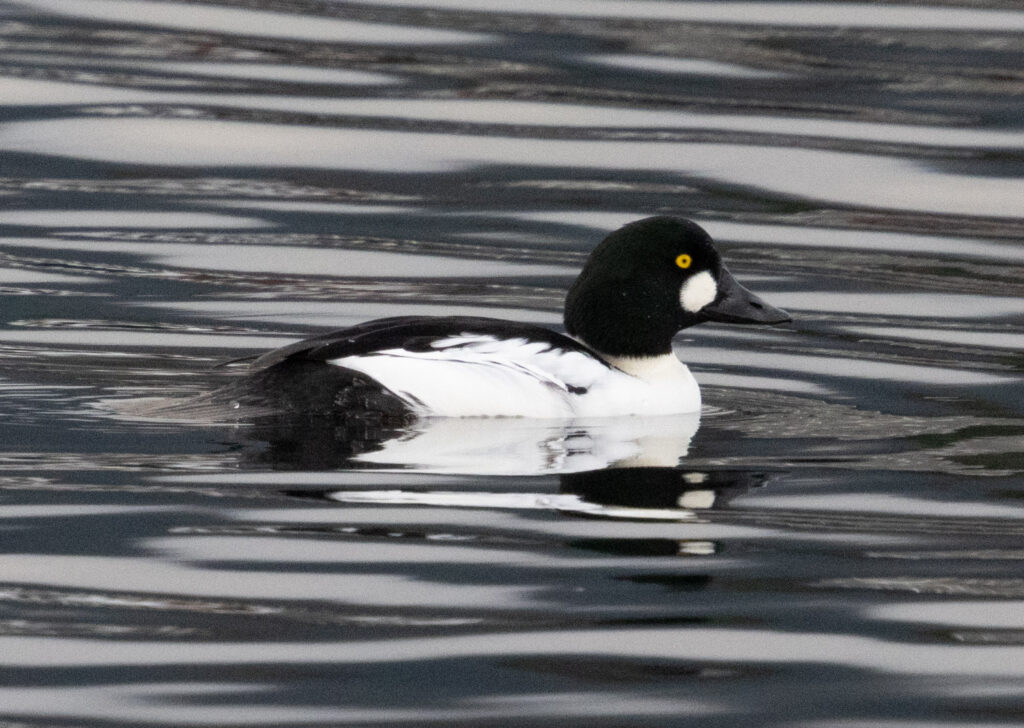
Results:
x,y
481,376
656,385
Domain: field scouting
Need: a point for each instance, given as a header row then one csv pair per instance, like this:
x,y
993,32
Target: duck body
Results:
x,y
461,366
640,286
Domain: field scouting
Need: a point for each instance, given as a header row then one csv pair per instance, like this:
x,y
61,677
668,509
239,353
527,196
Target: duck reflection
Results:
x,y
660,488
612,467
469,446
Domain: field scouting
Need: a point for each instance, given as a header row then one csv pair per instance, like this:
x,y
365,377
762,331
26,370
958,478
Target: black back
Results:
x,y
411,333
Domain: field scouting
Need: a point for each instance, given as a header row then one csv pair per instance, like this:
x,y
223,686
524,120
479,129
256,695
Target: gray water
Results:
x,y
835,541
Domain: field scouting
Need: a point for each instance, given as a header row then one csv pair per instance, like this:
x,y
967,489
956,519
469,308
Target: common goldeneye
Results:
x,y
642,284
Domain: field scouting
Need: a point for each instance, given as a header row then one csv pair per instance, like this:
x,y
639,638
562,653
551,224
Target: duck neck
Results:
x,y
622,323
650,368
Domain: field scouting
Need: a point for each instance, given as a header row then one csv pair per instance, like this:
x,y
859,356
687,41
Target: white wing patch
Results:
x,y
480,375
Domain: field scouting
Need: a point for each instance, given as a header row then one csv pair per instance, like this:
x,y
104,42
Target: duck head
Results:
x,y
650,279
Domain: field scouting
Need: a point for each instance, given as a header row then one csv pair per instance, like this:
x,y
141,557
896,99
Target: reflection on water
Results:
x,y
496,447
310,437
248,22
825,177
187,183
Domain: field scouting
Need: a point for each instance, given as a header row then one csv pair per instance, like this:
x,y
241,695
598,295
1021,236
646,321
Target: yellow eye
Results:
x,y
684,261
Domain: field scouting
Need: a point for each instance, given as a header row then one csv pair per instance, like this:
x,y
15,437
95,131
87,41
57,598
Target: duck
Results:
x,y
640,286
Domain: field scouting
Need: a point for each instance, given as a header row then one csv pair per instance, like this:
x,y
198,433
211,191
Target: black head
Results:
x,y
648,280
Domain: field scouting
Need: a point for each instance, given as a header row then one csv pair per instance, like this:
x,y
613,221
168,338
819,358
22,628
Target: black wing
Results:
x,y
412,333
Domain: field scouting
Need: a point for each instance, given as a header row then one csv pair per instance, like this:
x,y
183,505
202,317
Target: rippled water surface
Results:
x,y
837,540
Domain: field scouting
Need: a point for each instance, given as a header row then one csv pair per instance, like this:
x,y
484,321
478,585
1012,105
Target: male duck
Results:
x,y
644,283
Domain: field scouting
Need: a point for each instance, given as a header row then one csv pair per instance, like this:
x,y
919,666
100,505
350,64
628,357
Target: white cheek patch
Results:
x,y
698,291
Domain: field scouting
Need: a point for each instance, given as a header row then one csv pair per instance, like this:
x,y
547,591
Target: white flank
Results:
x,y
698,291
470,376
484,376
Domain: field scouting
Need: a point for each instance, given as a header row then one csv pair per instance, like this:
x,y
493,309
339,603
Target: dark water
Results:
x,y
837,541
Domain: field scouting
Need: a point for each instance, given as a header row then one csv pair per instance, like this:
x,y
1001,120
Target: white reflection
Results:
x,y
253,550
796,14
347,313
852,239
248,71
870,180
787,383
520,446
563,503
995,614
72,511
325,208
890,504
901,305
792,235
125,338
31,92
532,113
418,516
959,337
154,575
300,260
19,91
128,219
681,66
974,690
701,644
833,365
209,704
20,275
246,21
274,72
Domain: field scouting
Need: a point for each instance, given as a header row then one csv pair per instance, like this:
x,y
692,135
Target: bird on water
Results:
x,y
644,283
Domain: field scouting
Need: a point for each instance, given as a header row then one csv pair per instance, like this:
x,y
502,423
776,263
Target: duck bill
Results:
x,y
736,305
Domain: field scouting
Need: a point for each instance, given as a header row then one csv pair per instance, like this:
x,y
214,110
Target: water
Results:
x,y
836,540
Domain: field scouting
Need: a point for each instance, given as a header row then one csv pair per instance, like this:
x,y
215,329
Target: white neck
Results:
x,y
649,368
